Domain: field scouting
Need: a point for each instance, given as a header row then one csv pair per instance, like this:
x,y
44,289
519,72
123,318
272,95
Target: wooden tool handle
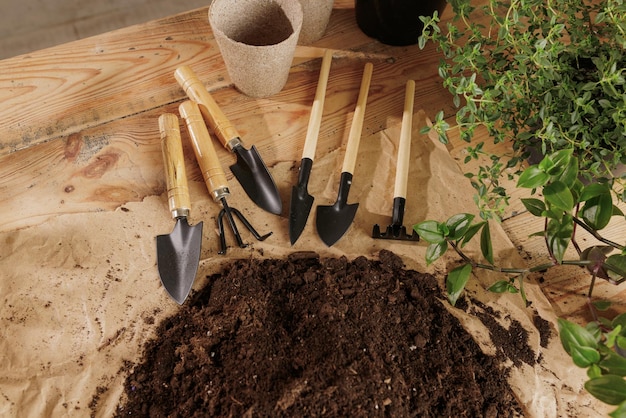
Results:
x,y
210,165
315,120
175,173
212,113
354,137
404,146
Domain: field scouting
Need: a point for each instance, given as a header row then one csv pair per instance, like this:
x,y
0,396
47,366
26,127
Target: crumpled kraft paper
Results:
x,y
81,293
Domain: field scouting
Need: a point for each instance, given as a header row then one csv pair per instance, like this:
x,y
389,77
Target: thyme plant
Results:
x,y
542,75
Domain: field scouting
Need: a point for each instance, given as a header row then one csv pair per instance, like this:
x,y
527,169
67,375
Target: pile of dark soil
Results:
x,y
310,337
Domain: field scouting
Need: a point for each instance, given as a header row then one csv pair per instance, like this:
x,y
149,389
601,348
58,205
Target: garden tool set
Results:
x,y
178,253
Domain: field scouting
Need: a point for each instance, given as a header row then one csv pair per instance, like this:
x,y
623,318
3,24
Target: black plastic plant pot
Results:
x,y
395,22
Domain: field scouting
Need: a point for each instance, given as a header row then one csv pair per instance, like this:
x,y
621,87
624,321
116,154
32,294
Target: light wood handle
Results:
x,y
354,137
206,155
315,120
212,113
175,173
404,146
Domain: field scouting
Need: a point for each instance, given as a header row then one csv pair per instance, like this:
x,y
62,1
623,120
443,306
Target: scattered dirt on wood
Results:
x,y
306,336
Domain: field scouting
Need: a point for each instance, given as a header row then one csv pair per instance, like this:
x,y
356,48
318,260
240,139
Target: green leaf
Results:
x,y
456,281
572,334
569,175
613,363
620,412
608,388
559,161
619,320
503,286
559,235
559,196
458,225
430,231
471,231
485,243
597,211
602,305
616,266
435,250
594,371
593,190
535,206
584,356
532,178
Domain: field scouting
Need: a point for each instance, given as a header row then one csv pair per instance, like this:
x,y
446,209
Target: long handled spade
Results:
x,y
397,230
250,170
213,174
178,253
333,221
301,200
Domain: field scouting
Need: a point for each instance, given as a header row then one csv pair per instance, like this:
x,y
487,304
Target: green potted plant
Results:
x,y
542,76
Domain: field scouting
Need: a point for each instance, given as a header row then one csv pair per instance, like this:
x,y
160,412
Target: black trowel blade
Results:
x,y
256,180
178,255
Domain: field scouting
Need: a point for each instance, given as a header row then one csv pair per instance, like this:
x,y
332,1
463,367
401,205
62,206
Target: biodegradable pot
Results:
x,y
257,40
316,14
395,22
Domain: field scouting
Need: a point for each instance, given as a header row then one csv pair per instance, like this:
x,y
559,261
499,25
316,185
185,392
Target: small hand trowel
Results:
x,y
333,221
178,253
301,200
250,170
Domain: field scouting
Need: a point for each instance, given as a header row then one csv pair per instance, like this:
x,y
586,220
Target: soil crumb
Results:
x,y
305,336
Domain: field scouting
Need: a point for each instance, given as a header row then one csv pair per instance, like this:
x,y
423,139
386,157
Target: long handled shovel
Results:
x,y
250,170
178,253
333,221
301,200
397,230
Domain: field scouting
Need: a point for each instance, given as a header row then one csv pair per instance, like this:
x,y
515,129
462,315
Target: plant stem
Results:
x,y
598,236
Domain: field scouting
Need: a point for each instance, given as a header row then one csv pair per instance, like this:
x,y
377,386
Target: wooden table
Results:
x,y
78,121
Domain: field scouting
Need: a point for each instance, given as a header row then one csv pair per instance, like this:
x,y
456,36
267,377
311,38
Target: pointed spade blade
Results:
x,y
178,255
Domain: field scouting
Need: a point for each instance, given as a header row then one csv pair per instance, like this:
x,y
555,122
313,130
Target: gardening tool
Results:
x,y
178,253
213,174
333,221
301,200
250,170
397,230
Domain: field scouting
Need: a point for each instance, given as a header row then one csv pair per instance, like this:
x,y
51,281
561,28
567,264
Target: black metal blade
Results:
x,y
333,221
178,255
301,202
256,180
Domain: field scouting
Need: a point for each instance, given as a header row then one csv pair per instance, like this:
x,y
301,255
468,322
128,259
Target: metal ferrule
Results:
x,y
218,194
235,142
180,213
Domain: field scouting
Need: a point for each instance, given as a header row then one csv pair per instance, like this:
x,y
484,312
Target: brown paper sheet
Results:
x,y
81,293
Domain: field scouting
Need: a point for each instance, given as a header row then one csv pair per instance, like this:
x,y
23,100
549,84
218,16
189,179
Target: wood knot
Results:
x,y
100,166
